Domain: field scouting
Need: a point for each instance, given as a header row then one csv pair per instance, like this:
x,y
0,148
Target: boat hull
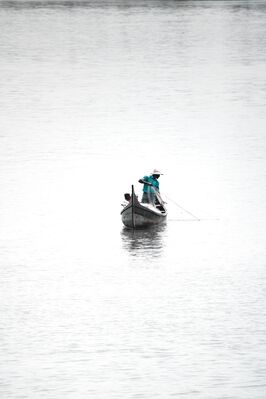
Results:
x,y
137,215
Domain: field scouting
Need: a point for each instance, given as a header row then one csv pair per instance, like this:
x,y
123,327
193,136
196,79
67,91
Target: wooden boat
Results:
x,y
136,214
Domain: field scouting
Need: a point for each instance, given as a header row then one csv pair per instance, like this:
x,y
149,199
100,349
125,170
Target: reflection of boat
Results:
x,y
136,214
144,243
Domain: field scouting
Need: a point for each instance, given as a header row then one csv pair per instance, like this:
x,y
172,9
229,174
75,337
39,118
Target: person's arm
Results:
x,y
144,182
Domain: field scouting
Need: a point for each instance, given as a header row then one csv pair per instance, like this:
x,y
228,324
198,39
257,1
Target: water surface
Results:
x,y
95,95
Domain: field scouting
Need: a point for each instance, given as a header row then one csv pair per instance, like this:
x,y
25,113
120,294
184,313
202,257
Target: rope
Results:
x,y
185,210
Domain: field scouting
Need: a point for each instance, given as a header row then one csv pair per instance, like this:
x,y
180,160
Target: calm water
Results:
x,y
94,95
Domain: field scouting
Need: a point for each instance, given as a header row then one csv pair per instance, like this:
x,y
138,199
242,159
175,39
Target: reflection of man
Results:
x,y
151,187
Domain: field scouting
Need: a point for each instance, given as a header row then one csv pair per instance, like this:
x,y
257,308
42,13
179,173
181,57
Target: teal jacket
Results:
x,y
154,182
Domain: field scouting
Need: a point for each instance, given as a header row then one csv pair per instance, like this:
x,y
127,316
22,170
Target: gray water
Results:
x,y
94,95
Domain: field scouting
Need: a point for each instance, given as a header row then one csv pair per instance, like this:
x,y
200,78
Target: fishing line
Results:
x,y
181,207
193,220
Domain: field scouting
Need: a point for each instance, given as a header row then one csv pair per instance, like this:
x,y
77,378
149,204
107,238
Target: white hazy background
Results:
x,y
94,95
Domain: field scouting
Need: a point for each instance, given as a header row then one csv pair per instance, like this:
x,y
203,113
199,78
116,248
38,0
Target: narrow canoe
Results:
x,y
137,215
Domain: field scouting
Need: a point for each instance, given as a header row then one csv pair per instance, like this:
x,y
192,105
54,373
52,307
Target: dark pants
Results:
x,y
148,198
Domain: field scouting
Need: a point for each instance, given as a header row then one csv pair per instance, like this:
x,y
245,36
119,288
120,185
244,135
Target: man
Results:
x,y
151,187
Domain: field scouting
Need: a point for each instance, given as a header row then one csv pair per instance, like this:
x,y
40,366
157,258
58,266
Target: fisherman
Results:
x,y
151,187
